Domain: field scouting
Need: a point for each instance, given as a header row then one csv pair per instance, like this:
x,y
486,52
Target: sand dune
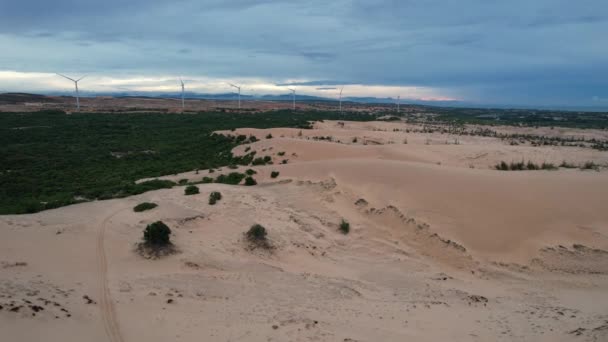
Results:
x,y
435,252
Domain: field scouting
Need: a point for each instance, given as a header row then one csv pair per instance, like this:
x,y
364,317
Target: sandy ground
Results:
x,y
441,248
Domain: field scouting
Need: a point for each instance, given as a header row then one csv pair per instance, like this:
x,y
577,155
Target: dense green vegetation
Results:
x,y
144,206
50,159
514,117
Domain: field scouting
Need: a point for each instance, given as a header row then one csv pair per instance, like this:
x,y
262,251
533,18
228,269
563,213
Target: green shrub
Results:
x,y
531,165
262,160
232,166
590,166
274,174
232,178
269,136
567,165
211,170
519,166
249,181
344,227
282,153
250,172
258,236
214,197
284,161
258,161
548,166
191,190
183,181
503,166
207,180
157,234
144,206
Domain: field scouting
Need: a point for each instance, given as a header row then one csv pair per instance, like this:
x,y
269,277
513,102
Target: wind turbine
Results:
x,y
293,92
76,85
340,99
239,89
182,82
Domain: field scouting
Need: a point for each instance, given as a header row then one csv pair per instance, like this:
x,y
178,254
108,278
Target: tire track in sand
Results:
x,y
106,305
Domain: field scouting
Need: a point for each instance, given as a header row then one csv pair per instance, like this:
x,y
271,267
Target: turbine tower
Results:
x,y
293,93
398,100
239,89
182,82
75,85
341,99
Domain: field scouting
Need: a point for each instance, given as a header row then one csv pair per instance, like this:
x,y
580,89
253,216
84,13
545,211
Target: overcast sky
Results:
x,y
539,52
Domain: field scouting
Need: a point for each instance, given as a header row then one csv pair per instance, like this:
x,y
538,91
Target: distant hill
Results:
x,y
16,98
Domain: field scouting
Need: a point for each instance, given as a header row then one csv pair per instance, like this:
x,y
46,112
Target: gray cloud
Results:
x,y
538,52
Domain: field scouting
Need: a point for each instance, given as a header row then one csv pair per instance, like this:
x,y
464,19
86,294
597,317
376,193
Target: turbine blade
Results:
x,y
81,78
64,76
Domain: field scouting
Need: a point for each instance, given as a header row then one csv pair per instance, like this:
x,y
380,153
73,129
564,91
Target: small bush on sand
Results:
x,y
274,174
269,136
262,160
548,166
590,166
232,178
157,241
258,236
183,181
344,227
214,197
567,165
157,234
250,172
282,153
249,181
144,206
191,190
531,165
207,180
503,166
